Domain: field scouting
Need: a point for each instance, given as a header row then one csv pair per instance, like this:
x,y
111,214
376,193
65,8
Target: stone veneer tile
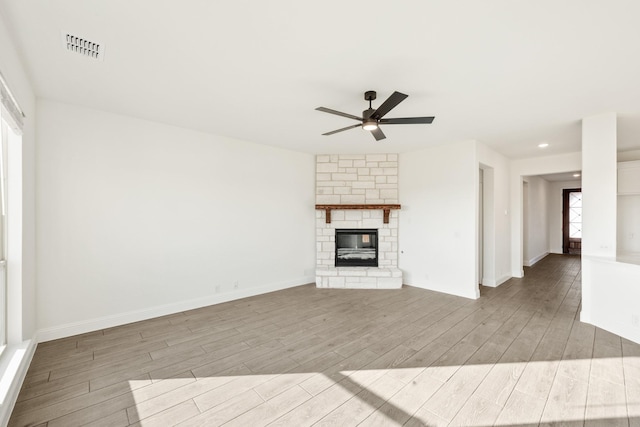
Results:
x,y
353,215
376,157
373,194
353,272
344,177
326,167
387,193
363,184
337,215
326,199
351,199
331,184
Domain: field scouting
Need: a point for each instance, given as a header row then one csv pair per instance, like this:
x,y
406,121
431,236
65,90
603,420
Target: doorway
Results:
x,y
572,221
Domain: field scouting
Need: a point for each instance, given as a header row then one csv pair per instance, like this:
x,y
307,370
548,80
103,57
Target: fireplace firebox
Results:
x,y
356,247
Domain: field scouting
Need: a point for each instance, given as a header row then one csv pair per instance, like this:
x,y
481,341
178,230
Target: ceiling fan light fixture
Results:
x,y
372,118
370,125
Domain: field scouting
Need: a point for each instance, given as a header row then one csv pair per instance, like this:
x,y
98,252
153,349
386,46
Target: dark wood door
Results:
x,y
572,221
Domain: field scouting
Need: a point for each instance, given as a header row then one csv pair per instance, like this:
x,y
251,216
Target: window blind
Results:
x,y
11,106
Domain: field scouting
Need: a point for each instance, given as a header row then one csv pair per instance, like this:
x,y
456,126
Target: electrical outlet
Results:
x,y
217,289
236,284
635,320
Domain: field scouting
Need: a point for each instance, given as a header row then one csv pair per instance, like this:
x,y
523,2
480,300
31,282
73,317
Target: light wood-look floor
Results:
x,y
307,356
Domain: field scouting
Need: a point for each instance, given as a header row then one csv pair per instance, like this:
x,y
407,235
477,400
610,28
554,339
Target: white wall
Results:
x,y
555,212
137,219
497,229
536,245
527,167
438,239
599,185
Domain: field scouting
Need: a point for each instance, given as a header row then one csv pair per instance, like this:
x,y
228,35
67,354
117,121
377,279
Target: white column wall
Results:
x,y
599,218
537,244
438,234
599,185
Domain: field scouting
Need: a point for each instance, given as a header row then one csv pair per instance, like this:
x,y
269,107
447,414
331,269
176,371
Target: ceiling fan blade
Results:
x,y
408,121
343,129
395,99
339,113
378,134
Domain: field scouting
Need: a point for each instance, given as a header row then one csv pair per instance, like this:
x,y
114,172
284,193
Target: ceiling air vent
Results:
x,y
82,46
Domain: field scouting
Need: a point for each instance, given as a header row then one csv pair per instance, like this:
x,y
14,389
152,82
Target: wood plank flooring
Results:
x,y
518,356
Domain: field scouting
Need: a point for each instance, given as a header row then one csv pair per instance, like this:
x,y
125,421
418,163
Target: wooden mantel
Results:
x,y
328,208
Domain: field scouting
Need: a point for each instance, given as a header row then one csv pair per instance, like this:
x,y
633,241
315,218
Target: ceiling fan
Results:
x,y
372,119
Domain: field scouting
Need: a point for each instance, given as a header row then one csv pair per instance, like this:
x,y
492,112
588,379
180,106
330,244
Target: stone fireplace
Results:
x,y
358,193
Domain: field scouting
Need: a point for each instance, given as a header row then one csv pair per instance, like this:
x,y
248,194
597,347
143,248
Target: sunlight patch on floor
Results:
x,y
504,394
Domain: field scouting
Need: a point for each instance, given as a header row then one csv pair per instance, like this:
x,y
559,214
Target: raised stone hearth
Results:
x,y
357,180
358,277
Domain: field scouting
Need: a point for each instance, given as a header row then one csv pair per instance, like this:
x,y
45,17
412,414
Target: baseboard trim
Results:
x,y
494,283
14,365
90,325
471,295
534,260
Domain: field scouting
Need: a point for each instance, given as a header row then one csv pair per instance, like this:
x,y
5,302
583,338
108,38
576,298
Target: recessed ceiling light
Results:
x,y
543,145
575,175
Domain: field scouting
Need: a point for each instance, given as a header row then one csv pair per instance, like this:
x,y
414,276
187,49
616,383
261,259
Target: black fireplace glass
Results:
x,y
356,247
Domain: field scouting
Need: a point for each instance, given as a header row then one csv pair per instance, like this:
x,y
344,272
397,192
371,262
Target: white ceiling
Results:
x,y
510,74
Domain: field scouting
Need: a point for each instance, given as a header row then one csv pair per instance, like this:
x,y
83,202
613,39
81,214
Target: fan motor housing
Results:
x,y
367,113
